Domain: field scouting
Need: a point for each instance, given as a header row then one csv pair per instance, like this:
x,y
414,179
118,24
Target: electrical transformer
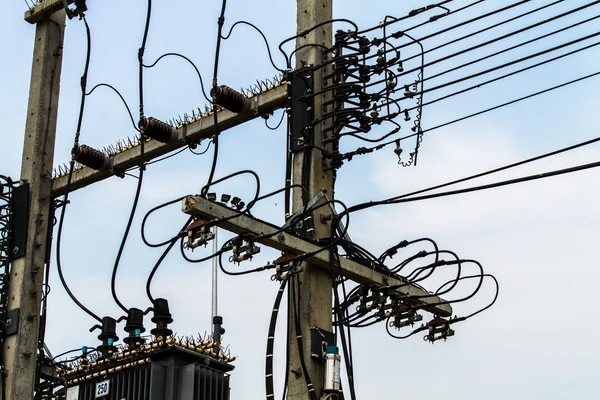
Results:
x,y
163,370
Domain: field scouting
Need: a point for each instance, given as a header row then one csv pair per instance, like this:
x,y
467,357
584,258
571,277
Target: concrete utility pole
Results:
x,y
315,294
27,272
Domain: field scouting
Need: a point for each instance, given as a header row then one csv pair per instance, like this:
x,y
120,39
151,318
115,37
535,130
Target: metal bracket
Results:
x,y
20,219
12,321
319,340
306,226
301,107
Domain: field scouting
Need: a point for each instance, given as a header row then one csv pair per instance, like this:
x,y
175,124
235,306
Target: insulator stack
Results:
x,y
162,318
158,130
108,336
134,327
81,5
91,157
230,99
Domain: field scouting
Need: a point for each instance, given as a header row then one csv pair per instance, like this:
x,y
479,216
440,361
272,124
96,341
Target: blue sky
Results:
x,y
537,238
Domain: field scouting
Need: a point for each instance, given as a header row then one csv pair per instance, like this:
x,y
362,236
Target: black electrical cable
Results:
x,y
421,78
287,355
528,178
159,261
484,72
432,267
489,305
188,60
345,349
71,351
113,281
304,46
481,276
278,125
420,329
503,168
307,31
486,29
124,239
508,75
141,51
403,244
270,390
241,172
487,110
273,193
167,156
186,258
142,229
522,59
238,273
202,152
500,38
288,169
509,103
459,25
295,299
220,23
68,185
120,96
261,34
448,12
448,70
411,14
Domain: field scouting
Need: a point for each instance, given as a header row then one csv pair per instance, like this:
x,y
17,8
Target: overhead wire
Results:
x,y
512,33
481,73
513,181
499,38
493,26
469,116
459,25
507,75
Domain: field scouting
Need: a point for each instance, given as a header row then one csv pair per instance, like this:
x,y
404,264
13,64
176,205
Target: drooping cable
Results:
x,y
68,185
189,61
270,390
113,281
261,34
295,299
120,96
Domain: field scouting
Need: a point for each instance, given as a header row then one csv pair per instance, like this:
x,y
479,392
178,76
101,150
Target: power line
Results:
x,y
485,29
382,145
503,168
508,35
528,178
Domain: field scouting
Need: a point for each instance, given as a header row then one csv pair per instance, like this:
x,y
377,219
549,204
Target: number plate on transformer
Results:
x,y
102,388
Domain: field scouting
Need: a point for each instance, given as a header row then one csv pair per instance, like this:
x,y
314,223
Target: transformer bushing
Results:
x,y
108,336
162,318
134,327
